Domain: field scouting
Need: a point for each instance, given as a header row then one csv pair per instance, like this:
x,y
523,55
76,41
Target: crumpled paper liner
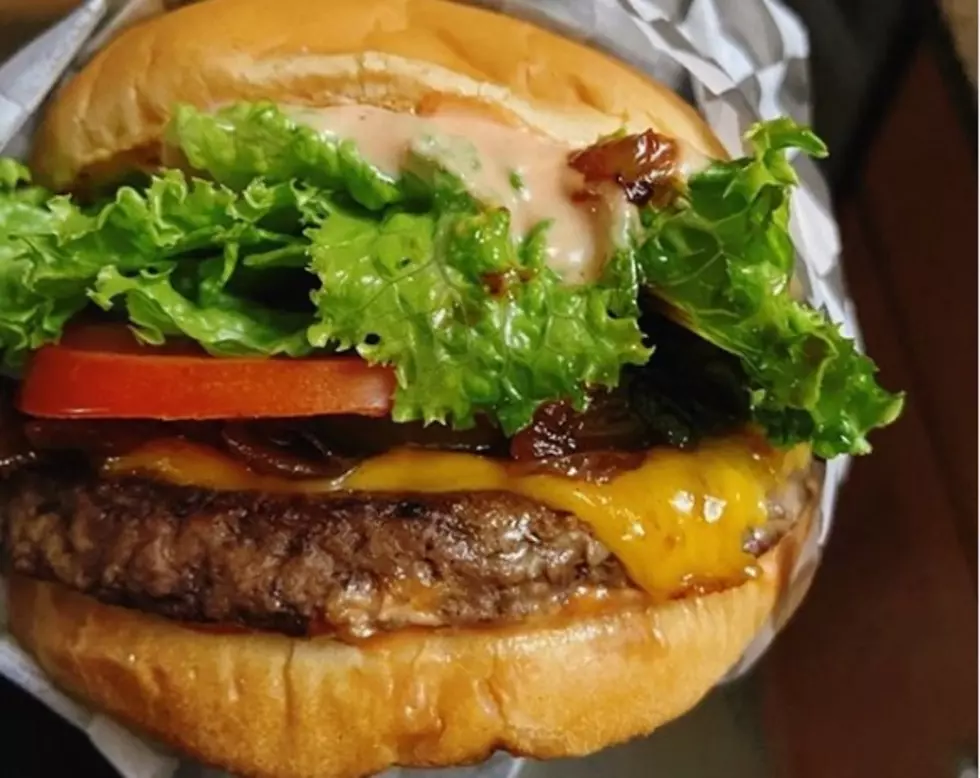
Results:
x,y
739,62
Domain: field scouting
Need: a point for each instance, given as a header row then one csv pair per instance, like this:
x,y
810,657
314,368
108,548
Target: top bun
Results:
x,y
398,54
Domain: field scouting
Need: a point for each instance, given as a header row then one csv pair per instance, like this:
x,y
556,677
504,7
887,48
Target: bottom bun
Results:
x,y
269,705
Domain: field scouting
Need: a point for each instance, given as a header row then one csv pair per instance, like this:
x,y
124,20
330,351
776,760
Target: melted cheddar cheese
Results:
x,y
679,517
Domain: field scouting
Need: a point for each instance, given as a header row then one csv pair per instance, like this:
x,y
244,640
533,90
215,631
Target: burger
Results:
x,y
395,382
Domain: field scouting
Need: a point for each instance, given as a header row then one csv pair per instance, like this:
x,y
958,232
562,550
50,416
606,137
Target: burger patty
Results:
x,y
298,564
349,565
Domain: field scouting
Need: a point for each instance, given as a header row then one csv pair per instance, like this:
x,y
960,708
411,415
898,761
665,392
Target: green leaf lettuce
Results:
x,y
472,323
275,239
721,258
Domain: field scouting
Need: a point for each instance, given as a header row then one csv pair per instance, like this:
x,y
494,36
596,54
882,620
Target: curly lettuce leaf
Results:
x,y
52,251
721,258
224,324
13,173
245,141
471,322
41,287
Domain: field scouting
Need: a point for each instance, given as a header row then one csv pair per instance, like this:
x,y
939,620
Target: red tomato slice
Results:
x,y
102,372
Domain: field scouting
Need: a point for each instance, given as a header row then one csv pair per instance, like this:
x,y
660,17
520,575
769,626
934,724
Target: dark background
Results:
x,y
877,674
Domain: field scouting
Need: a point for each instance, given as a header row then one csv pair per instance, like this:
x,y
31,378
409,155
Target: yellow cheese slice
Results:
x,y
678,519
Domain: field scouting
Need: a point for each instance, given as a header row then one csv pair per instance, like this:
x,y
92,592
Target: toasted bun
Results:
x,y
399,54
269,705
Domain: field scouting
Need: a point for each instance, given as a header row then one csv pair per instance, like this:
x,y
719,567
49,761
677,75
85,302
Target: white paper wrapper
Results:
x,y
739,62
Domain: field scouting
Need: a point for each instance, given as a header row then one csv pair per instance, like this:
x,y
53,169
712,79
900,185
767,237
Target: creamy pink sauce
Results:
x,y
504,166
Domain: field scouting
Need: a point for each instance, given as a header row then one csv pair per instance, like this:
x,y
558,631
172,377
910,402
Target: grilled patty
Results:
x,y
350,564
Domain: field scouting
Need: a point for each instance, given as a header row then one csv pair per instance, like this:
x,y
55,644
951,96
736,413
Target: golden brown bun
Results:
x,y
268,705
392,53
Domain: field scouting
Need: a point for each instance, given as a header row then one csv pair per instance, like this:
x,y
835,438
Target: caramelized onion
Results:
x,y
642,165
557,430
15,449
374,436
284,451
596,467
107,437
552,433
